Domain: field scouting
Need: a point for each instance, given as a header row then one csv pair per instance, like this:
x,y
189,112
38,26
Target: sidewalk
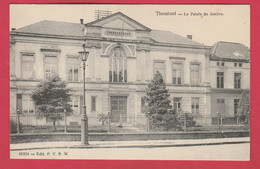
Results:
x,y
128,144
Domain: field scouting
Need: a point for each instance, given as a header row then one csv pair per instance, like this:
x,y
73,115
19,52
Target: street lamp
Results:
x,y
84,119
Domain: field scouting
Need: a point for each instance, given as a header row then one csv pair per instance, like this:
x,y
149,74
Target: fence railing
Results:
x,y
105,123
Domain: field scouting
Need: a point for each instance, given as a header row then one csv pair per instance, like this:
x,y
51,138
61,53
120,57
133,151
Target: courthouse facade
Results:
x,y
123,57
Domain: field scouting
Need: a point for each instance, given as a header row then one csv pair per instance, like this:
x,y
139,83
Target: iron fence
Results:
x,y
103,123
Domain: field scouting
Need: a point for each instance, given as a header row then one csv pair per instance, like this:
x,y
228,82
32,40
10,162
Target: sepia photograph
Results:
x,y
129,82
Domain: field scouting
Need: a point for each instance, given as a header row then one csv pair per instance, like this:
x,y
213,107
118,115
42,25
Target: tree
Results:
x,y
158,109
244,107
51,99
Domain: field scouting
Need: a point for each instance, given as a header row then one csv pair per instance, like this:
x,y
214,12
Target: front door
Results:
x,y
118,108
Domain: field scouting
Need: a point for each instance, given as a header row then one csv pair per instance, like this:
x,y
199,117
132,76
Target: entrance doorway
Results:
x,y
118,108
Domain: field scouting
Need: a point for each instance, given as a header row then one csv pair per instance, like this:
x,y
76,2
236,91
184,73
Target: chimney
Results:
x,y
81,21
189,37
13,29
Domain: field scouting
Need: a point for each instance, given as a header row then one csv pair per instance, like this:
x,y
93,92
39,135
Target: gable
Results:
x,y
117,21
118,24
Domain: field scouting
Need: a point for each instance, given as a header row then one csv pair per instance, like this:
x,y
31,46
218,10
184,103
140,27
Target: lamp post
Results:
x,y
84,119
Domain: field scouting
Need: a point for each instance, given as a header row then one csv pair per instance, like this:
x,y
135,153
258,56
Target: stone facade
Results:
x,y
123,57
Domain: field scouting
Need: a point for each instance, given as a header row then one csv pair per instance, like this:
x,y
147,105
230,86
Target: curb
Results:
x,y
131,146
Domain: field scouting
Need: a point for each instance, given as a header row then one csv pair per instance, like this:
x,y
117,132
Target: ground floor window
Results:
x,y
25,104
74,103
93,103
177,104
236,102
195,109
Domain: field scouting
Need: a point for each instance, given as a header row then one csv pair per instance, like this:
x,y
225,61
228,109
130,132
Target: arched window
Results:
x,y
117,65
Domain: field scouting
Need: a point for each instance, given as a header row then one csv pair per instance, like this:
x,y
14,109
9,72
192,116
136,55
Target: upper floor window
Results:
x,y
27,66
195,108
73,65
118,65
237,80
220,63
160,67
177,73
240,64
220,79
51,66
221,101
195,74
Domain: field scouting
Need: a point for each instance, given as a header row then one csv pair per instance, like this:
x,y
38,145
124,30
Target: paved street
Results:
x,y
238,151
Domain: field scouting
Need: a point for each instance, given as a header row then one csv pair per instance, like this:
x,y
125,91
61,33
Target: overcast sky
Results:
x,y
232,26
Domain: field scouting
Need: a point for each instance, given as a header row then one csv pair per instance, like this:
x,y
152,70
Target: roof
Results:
x,y
53,28
229,51
76,30
169,37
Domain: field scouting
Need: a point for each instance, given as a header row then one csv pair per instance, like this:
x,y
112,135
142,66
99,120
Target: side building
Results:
x,y
230,77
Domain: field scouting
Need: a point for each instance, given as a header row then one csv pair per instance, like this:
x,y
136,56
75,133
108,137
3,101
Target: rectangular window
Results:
x,y
240,64
27,66
222,63
217,63
195,109
74,103
236,102
176,73
142,104
177,103
220,101
159,66
51,66
237,80
93,103
27,104
73,65
235,64
220,79
195,74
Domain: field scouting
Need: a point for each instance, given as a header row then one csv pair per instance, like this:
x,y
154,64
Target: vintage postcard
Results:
x,y
132,82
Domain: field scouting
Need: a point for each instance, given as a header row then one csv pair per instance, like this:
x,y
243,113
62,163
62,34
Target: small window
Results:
x,y
217,63
93,103
222,63
221,101
240,64
235,64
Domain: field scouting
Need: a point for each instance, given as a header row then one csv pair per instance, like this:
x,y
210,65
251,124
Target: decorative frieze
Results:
x,y
146,47
93,43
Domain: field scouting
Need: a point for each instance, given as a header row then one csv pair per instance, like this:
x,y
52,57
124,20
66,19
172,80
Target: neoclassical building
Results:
x,y
123,57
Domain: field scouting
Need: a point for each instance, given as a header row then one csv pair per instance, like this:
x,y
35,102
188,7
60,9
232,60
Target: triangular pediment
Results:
x,y
118,21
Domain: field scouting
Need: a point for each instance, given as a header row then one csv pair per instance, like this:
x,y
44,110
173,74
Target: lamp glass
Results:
x,y
84,55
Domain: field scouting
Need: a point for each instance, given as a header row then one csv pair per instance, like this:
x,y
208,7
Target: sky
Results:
x,y
229,23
